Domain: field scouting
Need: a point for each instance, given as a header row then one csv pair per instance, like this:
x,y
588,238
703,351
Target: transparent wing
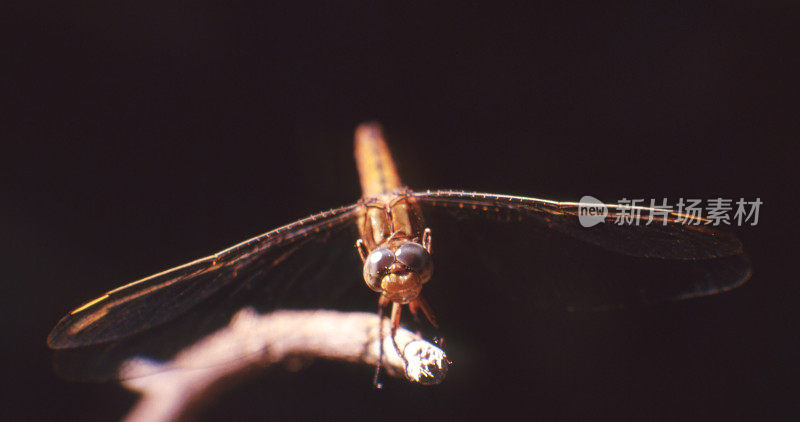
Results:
x,y
539,249
298,265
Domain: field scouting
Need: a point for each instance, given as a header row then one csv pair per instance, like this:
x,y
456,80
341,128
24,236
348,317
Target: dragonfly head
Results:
x,y
398,271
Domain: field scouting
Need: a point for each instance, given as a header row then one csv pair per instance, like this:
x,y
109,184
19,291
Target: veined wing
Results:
x,y
541,249
153,300
309,264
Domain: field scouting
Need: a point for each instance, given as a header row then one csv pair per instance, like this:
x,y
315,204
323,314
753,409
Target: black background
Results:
x,y
141,135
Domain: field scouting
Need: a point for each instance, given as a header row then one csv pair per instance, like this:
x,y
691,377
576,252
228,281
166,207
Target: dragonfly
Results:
x,y
533,249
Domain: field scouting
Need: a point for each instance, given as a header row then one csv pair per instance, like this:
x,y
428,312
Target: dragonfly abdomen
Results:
x,y
375,165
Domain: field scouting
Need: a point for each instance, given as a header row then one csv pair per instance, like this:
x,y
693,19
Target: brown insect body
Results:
x,y
390,218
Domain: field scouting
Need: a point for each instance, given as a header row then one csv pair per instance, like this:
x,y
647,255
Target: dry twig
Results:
x,y
252,340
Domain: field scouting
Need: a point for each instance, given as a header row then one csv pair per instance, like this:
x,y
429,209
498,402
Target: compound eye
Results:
x,y
416,258
377,265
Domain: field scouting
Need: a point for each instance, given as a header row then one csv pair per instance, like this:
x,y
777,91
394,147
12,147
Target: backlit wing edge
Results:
x,y
121,312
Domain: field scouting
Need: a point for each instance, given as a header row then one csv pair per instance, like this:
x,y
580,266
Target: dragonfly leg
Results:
x,y
382,302
413,306
421,303
426,240
396,312
362,249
